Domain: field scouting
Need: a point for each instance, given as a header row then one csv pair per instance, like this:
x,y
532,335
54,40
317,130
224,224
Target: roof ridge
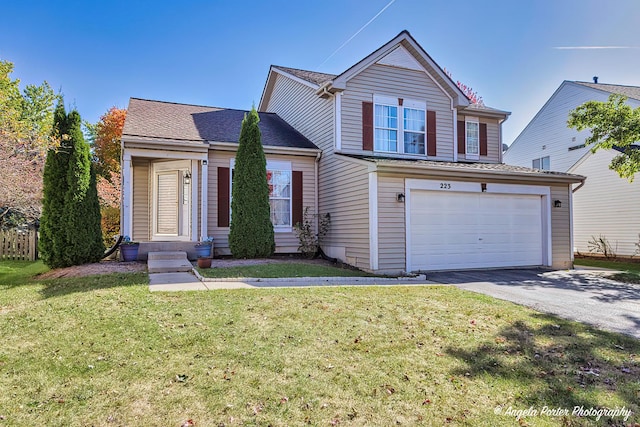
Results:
x,y
196,105
606,84
302,69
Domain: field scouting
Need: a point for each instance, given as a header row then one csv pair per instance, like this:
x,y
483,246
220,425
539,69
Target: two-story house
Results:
x,y
410,172
606,206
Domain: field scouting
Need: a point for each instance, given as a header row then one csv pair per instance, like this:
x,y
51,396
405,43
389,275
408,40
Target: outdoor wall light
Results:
x,y
557,203
400,197
483,187
187,177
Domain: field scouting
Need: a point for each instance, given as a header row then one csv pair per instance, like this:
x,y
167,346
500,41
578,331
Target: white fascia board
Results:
x,y
163,154
296,79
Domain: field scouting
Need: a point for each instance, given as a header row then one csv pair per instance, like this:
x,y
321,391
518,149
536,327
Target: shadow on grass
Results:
x,y
602,289
65,286
558,364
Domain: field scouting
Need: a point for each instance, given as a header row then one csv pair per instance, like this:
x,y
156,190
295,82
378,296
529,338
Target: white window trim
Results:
x,y
408,103
272,165
471,156
540,160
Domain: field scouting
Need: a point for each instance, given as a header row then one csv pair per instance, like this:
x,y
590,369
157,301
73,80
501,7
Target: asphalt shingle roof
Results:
x,y
628,91
310,76
172,121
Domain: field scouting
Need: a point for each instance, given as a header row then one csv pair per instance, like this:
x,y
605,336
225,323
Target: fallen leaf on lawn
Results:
x,y
426,401
188,423
285,399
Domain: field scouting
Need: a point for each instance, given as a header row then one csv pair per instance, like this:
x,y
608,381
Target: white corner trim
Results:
x,y
205,201
373,221
546,223
407,232
338,120
194,200
455,135
127,197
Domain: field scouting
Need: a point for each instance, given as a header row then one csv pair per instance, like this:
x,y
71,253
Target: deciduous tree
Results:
x,y
105,139
613,124
251,232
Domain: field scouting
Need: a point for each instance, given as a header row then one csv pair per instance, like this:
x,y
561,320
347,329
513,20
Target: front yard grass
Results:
x,y
103,350
630,271
281,269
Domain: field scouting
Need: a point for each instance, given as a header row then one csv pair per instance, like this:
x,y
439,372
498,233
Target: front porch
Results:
x,y
164,193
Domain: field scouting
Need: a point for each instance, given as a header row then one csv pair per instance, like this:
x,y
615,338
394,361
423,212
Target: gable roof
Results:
x,y
628,91
161,120
334,83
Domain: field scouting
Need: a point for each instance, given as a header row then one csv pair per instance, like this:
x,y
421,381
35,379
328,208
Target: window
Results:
x,y
280,191
399,128
543,163
472,127
280,197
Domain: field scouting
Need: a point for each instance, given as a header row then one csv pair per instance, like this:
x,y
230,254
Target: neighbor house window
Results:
x,y
542,163
280,191
472,128
399,125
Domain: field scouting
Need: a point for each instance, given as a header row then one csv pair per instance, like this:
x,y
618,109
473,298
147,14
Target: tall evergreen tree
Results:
x,y
52,235
251,231
81,215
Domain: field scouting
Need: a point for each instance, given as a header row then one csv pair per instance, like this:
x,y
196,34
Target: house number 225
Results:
x,y
445,186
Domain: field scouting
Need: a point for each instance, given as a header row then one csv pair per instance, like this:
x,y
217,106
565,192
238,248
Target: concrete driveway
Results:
x,y
582,295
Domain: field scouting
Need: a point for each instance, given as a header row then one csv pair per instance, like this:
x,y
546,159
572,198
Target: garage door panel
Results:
x,y
474,230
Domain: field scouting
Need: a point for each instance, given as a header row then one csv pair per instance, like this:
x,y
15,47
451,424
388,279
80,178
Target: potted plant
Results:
x,y
204,262
204,248
129,249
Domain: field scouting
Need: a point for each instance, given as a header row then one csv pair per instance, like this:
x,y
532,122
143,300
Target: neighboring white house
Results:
x,y
606,205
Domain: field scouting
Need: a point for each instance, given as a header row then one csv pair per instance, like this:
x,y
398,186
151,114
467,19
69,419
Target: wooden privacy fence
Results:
x,y
19,245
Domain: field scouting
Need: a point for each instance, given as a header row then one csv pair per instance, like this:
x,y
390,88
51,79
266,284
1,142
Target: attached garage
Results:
x,y
466,225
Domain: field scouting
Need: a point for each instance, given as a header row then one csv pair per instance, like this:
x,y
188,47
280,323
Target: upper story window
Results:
x,y
472,137
543,163
399,125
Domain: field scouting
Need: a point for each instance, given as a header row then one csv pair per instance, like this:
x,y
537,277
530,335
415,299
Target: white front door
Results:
x,y
171,201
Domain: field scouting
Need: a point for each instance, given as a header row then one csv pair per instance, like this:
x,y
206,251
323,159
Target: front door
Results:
x,y
171,201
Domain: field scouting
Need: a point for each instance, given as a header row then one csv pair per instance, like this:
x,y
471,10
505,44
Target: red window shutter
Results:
x,y
296,197
431,133
223,197
367,126
483,139
462,144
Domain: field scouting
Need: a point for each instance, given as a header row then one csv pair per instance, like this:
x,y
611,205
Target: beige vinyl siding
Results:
x,y
391,225
344,193
343,186
286,242
561,228
494,146
398,83
606,205
299,106
141,201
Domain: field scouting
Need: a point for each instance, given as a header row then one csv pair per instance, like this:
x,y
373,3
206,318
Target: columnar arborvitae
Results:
x,y
81,214
52,241
251,232
70,231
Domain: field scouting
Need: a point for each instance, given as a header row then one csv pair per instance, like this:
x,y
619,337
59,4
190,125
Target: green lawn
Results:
x,y
630,271
104,351
281,269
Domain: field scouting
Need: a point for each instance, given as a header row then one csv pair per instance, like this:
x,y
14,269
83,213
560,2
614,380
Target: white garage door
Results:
x,y
474,230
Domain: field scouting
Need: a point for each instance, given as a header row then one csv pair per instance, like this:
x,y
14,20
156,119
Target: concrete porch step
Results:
x,y
168,262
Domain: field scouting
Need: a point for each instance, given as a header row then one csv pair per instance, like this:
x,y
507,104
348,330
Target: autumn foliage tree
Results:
x,y
26,120
468,91
106,136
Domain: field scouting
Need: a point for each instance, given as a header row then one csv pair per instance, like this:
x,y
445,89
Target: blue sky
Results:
x,y
219,52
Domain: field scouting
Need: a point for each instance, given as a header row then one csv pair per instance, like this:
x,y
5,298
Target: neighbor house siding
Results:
x,y
141,201
391,225
399,83
548,134
561,227
286,242
606,206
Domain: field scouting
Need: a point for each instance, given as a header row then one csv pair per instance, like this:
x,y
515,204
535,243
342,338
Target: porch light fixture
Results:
x,y
187,177
400,197
557,203
483,187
